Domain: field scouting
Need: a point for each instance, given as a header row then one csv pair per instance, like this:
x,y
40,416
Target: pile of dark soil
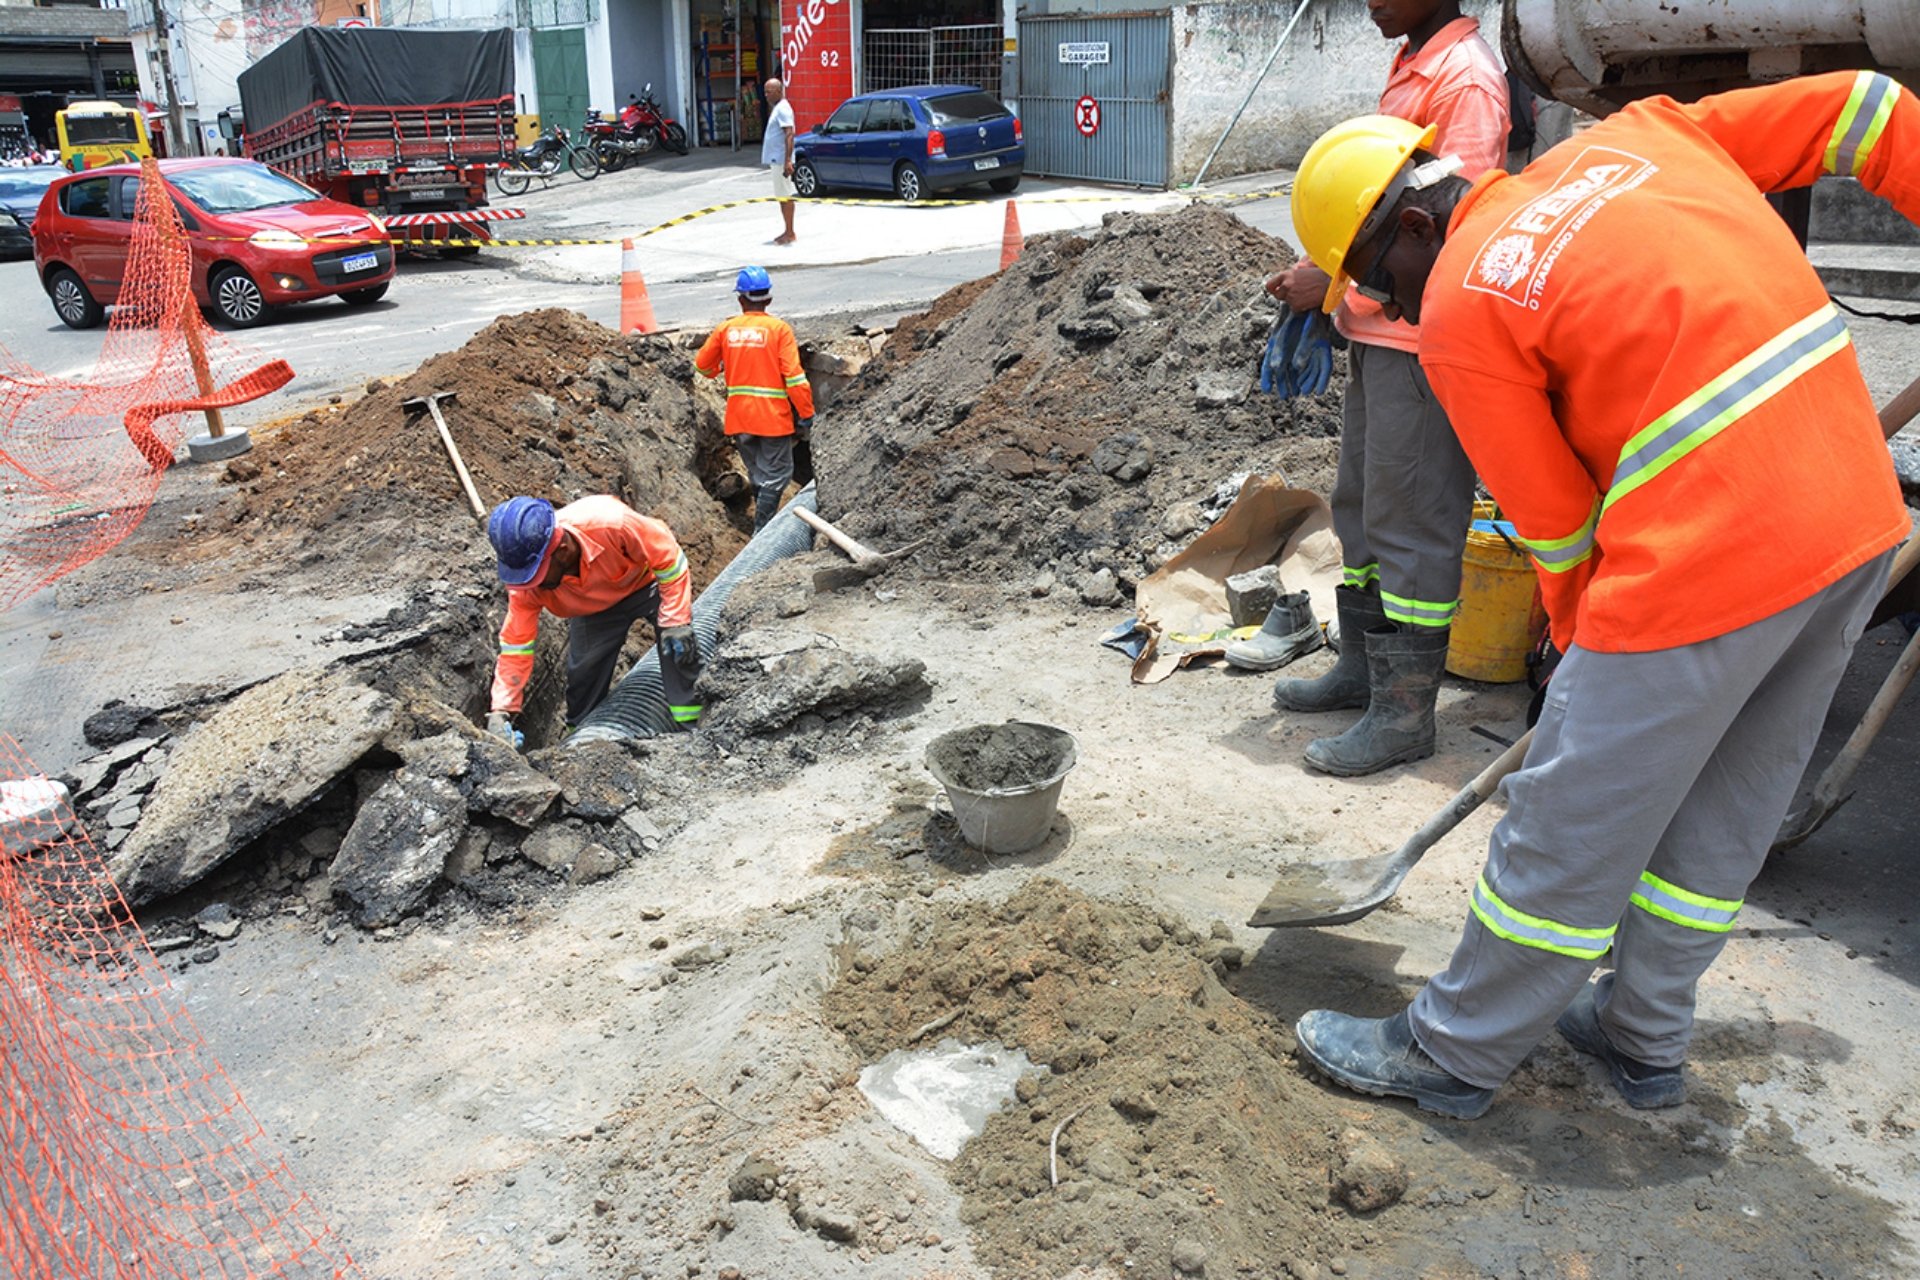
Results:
x,y
1194,1143
1068,413
550,404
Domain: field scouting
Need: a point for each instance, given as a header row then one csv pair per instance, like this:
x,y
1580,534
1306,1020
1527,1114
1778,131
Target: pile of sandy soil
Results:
x,y
1066,414
1193,1143
550,404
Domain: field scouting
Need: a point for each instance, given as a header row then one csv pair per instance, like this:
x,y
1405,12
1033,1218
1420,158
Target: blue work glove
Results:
x,y
681,647
502,728
1299,357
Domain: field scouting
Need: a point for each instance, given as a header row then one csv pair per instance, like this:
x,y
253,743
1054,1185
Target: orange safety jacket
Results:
x,y
1650,377
761,361
621,552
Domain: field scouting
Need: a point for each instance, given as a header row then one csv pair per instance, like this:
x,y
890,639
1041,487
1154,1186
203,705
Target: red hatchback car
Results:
x,y
260,240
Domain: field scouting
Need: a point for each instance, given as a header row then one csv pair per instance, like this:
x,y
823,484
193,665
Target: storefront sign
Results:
x,y
1086,53
817,58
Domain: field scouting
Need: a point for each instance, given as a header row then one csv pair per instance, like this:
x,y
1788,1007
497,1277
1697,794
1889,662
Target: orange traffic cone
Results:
x,y
636,309
1010,241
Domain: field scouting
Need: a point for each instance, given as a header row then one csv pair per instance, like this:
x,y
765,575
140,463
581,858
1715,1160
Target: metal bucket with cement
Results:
x,y
1003,781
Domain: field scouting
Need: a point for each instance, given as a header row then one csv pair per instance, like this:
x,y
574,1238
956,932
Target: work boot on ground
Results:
x,y
1644,1087
1288,632
1344,686
1404,666
1380,1056
765,507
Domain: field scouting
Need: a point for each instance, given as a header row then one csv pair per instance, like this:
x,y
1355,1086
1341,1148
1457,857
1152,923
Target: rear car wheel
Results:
x,y
71,301
908,184
805,181
1005,186
366,297
237,299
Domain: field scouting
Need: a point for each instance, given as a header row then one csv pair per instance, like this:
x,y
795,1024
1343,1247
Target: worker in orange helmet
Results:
x,y
1654,384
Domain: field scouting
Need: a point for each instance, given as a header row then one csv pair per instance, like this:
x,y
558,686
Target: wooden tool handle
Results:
x,y
833,535
1901,410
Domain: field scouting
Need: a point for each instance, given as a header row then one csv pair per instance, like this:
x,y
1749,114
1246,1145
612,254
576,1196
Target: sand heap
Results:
x,y
1066,415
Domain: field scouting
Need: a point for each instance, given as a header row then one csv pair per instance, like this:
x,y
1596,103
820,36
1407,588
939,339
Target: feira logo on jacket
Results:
x,y
742,336
1518,257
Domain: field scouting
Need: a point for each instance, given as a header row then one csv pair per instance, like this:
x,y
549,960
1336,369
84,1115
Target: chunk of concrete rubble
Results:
x,y
1369,1177
554,847
642,827
1219,388
117,722
496,778
597,781
261,758
34,812
763,680
595,862
469,856
398,847
1251,595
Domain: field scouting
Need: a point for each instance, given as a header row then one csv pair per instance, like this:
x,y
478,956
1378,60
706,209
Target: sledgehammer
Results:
x,y
865,559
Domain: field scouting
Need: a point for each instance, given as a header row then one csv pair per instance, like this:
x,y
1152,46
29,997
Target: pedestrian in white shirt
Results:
x,y
776,152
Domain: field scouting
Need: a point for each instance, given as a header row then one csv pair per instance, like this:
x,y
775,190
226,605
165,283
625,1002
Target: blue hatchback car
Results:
x,y
914,142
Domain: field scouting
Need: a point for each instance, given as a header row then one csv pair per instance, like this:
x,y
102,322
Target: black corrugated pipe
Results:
x,y
637,708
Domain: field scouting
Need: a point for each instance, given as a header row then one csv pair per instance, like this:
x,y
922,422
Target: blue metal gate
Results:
x,y
1122,64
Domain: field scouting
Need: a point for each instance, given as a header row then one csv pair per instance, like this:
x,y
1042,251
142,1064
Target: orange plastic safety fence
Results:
x,y
81,457
125,1151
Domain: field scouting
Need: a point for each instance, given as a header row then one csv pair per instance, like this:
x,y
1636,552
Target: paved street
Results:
x,y
877,260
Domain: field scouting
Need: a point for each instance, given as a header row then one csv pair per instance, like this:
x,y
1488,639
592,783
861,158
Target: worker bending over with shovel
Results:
x,y
769,400
1403,496
601,564
1655,386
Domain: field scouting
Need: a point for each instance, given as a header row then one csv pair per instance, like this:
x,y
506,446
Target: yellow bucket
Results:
x,y
1500,616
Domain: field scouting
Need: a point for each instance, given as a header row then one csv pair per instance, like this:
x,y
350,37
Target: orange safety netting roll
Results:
x,y
80,460
125,1151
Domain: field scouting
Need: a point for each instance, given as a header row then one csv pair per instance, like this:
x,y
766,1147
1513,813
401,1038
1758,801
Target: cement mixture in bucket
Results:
x,y
1001,757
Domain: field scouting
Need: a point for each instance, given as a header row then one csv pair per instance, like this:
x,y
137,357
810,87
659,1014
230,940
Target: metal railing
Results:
x,y
894,57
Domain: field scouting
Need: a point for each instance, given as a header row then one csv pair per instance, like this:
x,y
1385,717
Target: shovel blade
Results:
x,y
1311,894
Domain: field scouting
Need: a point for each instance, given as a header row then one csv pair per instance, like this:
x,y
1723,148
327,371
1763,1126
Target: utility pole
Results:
x,y
176,124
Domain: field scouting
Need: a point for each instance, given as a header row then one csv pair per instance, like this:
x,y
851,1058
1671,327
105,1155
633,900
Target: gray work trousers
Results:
x,y
1654,787
1403,496
594,641
769,463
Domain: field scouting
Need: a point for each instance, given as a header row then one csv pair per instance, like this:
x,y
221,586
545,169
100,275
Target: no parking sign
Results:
x,y
1086,115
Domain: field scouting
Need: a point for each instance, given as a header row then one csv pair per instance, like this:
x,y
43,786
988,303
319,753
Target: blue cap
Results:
x,y
754,284
522,531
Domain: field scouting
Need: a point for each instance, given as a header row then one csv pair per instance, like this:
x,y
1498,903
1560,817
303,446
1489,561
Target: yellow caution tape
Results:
x,y
418,242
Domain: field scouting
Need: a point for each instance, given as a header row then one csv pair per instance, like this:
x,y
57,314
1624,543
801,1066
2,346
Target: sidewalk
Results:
x,y
634,201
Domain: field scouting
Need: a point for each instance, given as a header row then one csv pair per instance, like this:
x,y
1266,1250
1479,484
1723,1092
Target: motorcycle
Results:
x,y
543,159
642,126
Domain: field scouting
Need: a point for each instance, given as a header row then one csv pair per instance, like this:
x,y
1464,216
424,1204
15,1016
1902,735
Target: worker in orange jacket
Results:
x,y
603,565
1403,496
769,399
1654,384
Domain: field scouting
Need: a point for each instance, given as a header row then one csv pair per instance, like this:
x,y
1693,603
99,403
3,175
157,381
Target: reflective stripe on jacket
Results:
x,y
1649,376
760,359
621,552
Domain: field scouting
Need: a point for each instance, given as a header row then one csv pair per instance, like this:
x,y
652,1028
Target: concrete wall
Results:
x,y
640,39
1333,67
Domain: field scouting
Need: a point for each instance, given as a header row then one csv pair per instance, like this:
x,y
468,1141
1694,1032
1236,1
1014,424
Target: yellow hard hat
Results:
x,y
1343,188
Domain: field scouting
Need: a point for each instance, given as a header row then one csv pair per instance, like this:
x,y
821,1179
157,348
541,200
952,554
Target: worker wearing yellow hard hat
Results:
x,y
1403,496
1638,357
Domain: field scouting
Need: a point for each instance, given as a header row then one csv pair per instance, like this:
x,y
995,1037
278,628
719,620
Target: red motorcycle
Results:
x,y
641,127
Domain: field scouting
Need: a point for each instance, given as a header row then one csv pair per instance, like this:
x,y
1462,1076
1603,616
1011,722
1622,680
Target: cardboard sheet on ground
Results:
x,y
1182,606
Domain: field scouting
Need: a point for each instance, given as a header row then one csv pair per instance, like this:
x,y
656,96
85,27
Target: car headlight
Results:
x,y
276,238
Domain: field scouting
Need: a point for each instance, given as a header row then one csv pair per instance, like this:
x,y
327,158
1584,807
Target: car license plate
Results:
x,y
360,262
991,162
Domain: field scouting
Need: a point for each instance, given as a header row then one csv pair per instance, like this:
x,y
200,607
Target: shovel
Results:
x,y
418,405
1322,893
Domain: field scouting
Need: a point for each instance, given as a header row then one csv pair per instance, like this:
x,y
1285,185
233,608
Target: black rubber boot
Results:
x,y
1404,666
766,505
1380,1056
1289,631
1345,685
1644,1087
